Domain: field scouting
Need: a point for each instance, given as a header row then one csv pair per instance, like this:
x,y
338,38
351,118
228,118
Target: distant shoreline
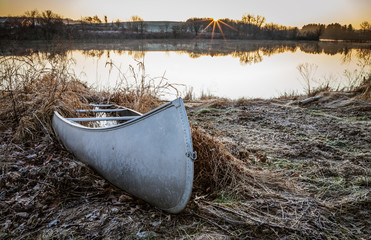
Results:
x,y
200,46
39,28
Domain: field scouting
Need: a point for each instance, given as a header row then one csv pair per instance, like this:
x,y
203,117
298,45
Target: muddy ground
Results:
x,y
322,148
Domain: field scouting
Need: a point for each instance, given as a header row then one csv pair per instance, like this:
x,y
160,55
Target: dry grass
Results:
x,y
30,96
217,169
364,89
229,193
262,201
358,80
138,91
188,94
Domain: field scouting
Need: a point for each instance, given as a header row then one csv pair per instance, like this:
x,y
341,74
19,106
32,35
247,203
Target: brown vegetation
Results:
x,y
245,186
30,95
364,89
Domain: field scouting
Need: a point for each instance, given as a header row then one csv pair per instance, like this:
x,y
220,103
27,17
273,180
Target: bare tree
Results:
x,y
365,26
196,24
87,19
313,31
32,16
137,24
51,23
253,24
248,18
350,28
118,22
136,18
251,19
96,19
259,21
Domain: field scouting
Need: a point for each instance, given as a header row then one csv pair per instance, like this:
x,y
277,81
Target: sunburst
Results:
x,y
214,24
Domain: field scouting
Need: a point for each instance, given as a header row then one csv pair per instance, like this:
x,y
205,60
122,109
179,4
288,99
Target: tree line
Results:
x,y
32,25
49,25
256,27
336,31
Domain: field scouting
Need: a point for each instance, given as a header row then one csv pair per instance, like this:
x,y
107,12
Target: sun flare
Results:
x,y
215,24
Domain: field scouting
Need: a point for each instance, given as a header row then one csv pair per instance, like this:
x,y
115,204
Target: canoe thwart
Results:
x,y
99,110
102,119
102,105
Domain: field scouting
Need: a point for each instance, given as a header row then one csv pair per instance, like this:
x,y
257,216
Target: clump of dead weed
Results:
x,y
138,91
363,91
217,169
31,92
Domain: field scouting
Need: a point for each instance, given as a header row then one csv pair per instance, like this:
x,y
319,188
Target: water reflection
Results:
x,y
210,67
248,52
202,48
249,57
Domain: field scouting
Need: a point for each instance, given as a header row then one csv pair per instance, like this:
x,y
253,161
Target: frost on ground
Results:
x,y
277,170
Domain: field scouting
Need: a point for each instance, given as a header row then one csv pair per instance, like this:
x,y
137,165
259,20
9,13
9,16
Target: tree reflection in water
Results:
x,y
247,52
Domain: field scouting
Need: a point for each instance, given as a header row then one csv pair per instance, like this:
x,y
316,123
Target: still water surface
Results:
x,y
233,69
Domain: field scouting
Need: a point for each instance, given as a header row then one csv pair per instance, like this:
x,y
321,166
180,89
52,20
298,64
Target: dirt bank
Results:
x,y
319,155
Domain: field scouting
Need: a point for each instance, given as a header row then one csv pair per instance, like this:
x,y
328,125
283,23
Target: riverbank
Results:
x,y
266,168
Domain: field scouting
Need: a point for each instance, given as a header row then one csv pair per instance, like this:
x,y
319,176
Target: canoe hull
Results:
x,y
149,157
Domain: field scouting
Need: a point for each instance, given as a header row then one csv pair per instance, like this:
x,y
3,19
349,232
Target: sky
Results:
x,y
283,12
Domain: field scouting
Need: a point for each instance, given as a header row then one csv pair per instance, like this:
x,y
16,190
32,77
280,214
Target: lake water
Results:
x,y
232,69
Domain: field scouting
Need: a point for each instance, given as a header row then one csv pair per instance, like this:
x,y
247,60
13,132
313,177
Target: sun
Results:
x,y
216,24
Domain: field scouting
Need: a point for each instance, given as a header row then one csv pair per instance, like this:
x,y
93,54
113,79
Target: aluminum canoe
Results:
x,y
150,156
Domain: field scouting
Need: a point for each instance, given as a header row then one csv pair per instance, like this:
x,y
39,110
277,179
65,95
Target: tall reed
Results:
x,y
138,90
32,88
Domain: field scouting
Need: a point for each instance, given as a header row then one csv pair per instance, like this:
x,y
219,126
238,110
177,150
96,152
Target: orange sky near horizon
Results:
x,y
284,12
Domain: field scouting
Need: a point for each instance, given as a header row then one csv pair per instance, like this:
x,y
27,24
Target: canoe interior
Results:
x,y
103,115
